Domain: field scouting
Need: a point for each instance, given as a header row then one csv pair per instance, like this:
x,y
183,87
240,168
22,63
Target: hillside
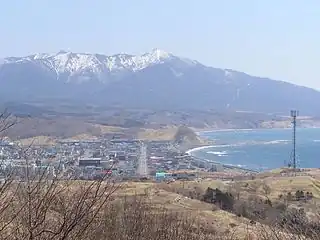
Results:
x,y
186,136
255,209
154,80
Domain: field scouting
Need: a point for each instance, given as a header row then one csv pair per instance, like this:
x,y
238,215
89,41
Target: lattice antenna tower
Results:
x,y
294,114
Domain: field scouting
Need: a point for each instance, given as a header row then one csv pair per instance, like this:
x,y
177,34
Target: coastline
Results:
x,y
225,165
215,145
208,130
198,148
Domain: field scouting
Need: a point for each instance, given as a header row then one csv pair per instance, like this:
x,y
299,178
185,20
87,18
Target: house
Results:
x,y
86,162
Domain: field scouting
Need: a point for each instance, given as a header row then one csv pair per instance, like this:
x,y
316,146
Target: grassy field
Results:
x,y
92,131
39,140
158,134
78,134
282,185
210,218
174,198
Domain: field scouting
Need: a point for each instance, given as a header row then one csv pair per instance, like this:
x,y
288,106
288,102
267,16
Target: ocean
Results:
x,y
262,149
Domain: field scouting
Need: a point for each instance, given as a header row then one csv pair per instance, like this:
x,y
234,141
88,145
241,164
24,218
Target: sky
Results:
x,y
279,39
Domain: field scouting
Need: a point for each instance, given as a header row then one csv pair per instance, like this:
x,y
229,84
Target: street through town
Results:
x,y
142,169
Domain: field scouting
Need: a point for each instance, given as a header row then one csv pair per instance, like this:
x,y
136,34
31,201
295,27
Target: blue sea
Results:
x,y
262,149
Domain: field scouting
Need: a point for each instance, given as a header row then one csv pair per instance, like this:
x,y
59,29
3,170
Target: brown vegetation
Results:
x,y
166,134
51,209
42,207
55,127
282,215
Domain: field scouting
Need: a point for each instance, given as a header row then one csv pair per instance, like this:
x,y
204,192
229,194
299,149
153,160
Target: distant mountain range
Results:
x,y
154,80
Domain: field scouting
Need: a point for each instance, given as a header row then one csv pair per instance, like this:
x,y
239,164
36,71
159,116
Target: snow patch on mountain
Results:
x,y
176,73
228,73
73,63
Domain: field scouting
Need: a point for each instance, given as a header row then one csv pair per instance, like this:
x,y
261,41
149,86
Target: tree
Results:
x,y
209,195
266,189
50,208
7,121
289,196
299,195
44,207
224,200
309,195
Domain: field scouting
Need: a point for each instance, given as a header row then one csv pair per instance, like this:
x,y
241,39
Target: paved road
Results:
x,y
142,169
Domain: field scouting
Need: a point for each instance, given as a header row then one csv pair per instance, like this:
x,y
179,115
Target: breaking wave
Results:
x,y
277,142
281,141
197,149
220,154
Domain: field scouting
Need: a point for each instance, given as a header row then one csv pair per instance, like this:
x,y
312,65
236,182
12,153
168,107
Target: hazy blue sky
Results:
x,y
274,38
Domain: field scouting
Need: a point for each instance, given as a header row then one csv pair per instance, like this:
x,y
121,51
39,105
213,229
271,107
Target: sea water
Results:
x,y
262,149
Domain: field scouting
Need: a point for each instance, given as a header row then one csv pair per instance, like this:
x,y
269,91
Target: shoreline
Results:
x,y
216,144
208,130
229,166
225,165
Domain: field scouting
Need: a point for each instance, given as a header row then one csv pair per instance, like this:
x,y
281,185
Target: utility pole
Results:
x,y
294,114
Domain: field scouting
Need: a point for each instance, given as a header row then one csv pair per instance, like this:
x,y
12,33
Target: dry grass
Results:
x,y
164,195
109,129
167,133
142,209
83,136
282,185
315,173
191,185
209,218
292,184
39,140
249,188
278,185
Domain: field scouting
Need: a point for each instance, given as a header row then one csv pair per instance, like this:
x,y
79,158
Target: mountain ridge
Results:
x,y
78,61
156,79
125,60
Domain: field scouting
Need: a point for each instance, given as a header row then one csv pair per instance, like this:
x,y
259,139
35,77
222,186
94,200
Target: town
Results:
x,y
119,159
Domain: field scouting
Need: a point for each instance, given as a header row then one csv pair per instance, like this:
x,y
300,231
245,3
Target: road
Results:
x,y
142,169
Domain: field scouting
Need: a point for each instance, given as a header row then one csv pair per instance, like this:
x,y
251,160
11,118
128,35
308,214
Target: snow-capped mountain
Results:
x,y
84,66
71,62
156,79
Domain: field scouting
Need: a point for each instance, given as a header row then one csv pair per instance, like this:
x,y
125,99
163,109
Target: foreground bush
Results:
x,y
43,209
51,209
